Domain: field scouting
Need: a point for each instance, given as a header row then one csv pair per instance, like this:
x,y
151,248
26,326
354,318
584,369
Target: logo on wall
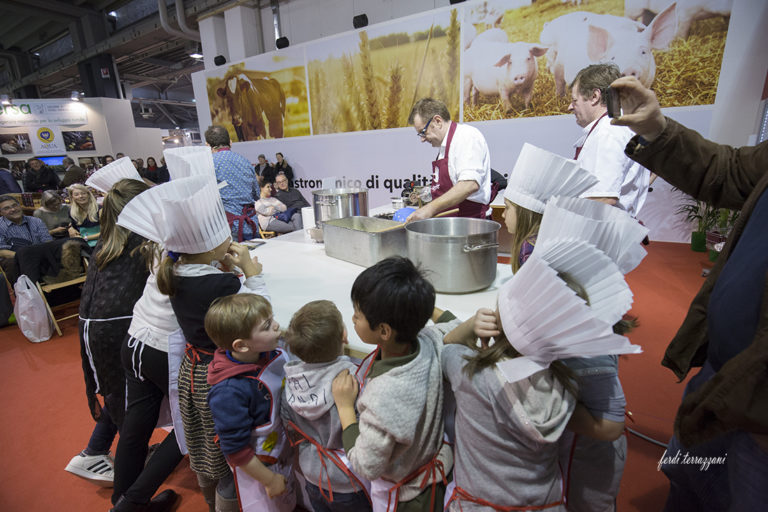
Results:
x,y
45,134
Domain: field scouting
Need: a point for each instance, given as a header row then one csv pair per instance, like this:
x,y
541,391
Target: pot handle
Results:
x,y
480,247
327,203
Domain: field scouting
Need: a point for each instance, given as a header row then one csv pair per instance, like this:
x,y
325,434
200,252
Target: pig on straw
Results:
x,y
578,39
688,11
494,66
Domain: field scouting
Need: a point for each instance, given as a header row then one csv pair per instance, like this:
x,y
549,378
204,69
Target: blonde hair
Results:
x,y
78,213
113,238
526,227
234,317
315,332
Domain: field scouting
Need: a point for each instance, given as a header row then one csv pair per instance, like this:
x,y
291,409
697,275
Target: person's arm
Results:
x,y
718,174
279,205
455,195
39,230
583,423
369,451
7,253
482,325
28,181
274,483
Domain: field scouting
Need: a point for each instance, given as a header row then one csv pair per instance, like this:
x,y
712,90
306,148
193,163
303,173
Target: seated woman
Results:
x,y
83,214
268,208
154,173
54,214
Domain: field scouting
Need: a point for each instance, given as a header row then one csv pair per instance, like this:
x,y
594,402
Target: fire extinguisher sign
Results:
x,y
105,72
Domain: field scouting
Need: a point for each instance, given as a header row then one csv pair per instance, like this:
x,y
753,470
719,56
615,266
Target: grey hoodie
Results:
x,y
308,402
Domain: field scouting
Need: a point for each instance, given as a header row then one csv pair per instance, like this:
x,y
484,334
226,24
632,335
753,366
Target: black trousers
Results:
x,y
144,398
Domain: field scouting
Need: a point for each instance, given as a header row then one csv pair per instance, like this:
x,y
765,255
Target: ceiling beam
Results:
x,y
30,11
59,8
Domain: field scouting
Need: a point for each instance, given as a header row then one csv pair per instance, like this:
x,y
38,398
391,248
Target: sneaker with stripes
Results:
x,y
97,468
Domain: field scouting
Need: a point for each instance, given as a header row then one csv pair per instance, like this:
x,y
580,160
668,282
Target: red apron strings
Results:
x,y
578,149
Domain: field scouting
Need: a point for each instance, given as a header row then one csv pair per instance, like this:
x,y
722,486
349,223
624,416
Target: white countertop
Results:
x,y
297,271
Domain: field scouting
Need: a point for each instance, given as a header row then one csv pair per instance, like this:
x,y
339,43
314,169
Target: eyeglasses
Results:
x,y
423,132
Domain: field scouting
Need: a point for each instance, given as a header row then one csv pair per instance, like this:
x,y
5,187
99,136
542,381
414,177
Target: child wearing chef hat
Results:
x,y
537,176
587,246
515,396
186,217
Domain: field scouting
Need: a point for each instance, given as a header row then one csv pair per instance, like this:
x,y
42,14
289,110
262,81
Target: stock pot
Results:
x,y
338,203
459,254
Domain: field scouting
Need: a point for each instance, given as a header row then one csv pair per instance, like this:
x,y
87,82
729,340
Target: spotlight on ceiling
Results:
x,y
75,96
5,99
282,42
360,21
196,52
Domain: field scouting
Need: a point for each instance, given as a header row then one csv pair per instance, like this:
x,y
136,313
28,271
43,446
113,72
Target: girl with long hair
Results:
x,y
114,282
84,214
196,236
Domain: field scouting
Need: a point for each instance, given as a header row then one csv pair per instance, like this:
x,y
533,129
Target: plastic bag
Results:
x,y
31,313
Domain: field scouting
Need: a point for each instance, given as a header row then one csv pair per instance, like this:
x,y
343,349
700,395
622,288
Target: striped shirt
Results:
x,y
237,171
31,229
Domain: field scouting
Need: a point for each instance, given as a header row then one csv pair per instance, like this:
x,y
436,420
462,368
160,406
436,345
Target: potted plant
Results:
x,y
717,235
704,216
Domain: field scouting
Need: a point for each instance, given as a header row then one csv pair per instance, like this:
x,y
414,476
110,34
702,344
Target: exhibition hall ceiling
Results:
x,y
43,41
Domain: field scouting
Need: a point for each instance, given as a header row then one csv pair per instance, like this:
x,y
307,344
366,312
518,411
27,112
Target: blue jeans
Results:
x,y
342,502
737,485
103,434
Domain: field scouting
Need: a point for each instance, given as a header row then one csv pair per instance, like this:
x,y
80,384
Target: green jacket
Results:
x,y
736,398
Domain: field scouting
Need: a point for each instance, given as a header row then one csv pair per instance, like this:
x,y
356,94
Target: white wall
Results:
x,y
150,143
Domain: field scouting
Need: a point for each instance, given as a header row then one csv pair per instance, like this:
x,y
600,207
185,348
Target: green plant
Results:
x,y
704,215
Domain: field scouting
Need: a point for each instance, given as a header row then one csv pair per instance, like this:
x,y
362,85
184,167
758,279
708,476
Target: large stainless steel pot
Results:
x,y
459,254
337,203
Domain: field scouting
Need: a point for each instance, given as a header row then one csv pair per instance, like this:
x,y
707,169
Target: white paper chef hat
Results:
x,y
105,178
545,320
184,215
189,161
610,229
539,174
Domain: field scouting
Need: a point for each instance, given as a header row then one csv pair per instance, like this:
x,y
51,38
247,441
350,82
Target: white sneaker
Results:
x,y
97,468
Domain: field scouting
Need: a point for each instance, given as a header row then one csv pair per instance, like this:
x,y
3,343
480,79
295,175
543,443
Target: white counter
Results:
x,y
297,271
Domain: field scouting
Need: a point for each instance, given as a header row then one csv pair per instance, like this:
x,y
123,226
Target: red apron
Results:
x,y
443,183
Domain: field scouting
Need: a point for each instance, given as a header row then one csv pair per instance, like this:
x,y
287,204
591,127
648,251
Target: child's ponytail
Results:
x,y
165,276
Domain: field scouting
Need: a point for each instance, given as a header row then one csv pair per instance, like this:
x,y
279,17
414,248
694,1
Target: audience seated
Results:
x,y
55,214
39,177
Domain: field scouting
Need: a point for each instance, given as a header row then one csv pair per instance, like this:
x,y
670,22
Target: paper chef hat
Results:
x,y
189,161
184,215
539,174
545,320
610,229
105,178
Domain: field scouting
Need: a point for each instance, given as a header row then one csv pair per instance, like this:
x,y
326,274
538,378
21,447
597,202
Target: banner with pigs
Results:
x,y
504,58
337,107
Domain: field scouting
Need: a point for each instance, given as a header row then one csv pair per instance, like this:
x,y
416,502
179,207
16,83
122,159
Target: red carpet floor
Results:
x,y
46,419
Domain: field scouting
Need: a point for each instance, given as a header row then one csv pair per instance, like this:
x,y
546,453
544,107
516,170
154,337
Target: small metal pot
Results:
x,y
338,203
459,254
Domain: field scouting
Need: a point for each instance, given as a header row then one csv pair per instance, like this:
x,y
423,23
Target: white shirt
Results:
x,y
469,160
603,155
153,317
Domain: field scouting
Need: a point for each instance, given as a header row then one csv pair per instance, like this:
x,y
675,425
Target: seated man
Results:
x,y
291,198
26,247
